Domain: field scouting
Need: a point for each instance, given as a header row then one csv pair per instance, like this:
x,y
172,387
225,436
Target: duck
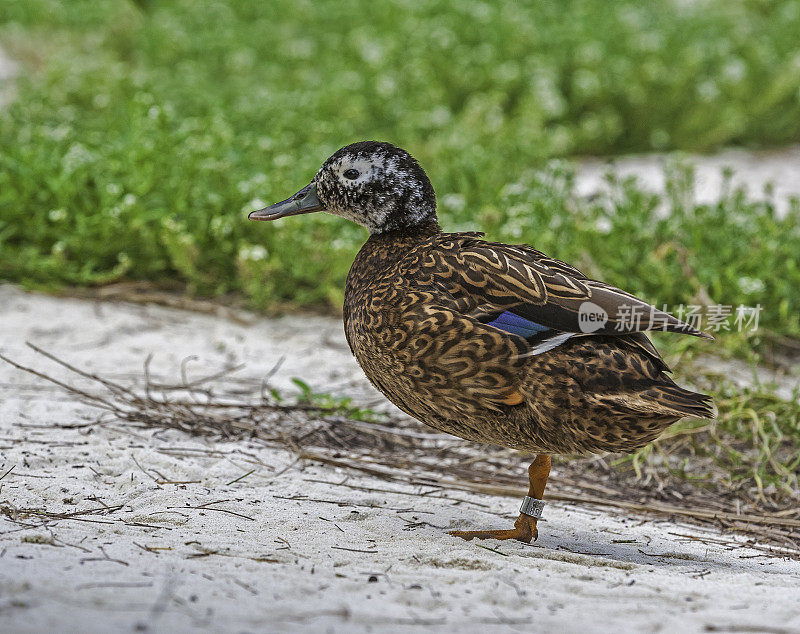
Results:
x,y
490,342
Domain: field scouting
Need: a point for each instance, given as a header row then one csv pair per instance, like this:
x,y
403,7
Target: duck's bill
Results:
x,y
305,201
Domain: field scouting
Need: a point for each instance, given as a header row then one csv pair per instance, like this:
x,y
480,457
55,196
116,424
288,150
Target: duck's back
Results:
x,y
477,339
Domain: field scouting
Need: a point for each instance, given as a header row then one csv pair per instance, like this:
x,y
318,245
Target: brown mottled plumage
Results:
x,y
488,341
412,307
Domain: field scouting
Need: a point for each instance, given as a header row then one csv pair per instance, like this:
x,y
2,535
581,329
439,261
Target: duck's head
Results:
x,y
376,185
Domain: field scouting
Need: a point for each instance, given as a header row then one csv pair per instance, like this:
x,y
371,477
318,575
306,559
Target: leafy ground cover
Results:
x,y
142,133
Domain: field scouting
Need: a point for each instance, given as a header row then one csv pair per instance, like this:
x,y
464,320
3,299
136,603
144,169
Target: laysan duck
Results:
x,y
494,343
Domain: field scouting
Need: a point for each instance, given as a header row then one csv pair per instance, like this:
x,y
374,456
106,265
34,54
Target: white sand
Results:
x,y
752,172
286,567
8,70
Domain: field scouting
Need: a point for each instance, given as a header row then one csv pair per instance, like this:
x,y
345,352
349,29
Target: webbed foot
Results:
x,y
525,527
524,531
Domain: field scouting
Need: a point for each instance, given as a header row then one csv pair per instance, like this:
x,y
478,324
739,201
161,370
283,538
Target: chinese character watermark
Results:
x,y
710,318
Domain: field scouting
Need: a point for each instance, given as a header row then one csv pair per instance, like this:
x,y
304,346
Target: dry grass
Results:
x,y
400,449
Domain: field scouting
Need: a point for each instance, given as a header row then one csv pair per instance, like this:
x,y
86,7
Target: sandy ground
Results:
x,y
293,546
751,171
8,70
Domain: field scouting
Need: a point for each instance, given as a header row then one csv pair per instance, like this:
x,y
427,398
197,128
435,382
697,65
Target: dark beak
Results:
x,y
303,202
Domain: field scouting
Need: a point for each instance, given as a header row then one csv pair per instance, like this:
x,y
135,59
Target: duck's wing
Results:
x,y
473,314
521,291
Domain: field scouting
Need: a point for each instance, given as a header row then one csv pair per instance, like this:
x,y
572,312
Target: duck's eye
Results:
x,y
351,174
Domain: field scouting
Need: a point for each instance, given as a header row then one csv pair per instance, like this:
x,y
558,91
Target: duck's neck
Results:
x,y
385,249
411,235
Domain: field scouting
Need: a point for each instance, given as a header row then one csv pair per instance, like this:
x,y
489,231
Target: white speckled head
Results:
x,y
374,184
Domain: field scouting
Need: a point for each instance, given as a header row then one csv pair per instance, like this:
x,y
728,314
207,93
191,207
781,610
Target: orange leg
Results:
x,y
525,527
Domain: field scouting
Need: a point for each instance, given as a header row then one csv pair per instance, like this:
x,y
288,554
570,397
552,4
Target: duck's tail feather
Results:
x,y
666,400
687,402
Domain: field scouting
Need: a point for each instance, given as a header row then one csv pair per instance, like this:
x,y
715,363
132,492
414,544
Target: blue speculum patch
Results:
x,y
517,325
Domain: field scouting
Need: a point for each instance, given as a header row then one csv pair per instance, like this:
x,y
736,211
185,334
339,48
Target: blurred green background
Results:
x,y
142,132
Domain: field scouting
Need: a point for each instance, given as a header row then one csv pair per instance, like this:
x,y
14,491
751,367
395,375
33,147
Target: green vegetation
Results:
x,y
142,133
751,449
329,403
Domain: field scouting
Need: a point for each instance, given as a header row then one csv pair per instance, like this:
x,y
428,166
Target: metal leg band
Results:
x,y
532,507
